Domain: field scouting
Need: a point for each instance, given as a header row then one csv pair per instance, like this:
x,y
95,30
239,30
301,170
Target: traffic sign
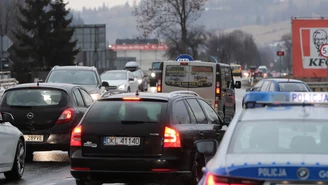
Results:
x,y
280,53
324,50
184,57
6,43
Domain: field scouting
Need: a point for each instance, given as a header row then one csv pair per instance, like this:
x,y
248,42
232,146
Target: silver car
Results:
x,y
121,80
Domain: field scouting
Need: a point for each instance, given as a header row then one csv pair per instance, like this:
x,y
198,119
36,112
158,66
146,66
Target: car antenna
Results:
x,y
137,93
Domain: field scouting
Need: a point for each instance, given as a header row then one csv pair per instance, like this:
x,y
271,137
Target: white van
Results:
x,y
212,81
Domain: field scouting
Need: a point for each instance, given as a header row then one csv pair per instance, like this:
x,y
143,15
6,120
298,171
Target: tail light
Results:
x,y
66,116
211,179
256,71
131,98
216,105
217,89
76,137
171,138
159,86
240,68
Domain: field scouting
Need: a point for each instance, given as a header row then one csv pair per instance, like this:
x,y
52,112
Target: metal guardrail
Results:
x,y
318,86
8,83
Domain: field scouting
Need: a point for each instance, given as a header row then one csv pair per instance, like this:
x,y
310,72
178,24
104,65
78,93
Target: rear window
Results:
x,y
189,76
73,77
235,67
293,87
35,97
280,137
112,112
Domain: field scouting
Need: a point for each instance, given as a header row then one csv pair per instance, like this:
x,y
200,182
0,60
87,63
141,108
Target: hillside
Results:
x,y
265,33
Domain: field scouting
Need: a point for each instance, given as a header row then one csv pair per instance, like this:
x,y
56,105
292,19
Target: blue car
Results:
x,y
281,85
271,145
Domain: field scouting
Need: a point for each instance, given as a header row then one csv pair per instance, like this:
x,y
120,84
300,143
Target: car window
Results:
x,y
211,114
73,77
79,98
180,113
265,86
196,108
114,76
292,87
87,98
131,75
137,73
35,98
258,85
114,112
272,87
280,137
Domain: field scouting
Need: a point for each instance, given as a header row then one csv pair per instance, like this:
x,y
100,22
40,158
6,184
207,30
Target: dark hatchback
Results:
x,y
146,138
46,113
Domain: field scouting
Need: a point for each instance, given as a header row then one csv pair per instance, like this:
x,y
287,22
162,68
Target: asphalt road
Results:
x,y
52,168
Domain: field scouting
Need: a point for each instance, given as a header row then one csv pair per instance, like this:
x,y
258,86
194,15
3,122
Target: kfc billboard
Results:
x,y
143,47
308,36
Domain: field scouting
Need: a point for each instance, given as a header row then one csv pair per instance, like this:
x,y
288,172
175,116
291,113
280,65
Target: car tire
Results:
x,y
18,168
84,182
196,173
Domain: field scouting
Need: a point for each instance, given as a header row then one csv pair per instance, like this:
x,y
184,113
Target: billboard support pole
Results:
x,y
280,66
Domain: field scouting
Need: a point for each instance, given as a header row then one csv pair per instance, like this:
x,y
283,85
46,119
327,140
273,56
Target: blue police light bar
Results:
x,y
260,99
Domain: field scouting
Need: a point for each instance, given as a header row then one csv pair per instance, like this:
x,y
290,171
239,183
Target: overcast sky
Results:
x,y
78,4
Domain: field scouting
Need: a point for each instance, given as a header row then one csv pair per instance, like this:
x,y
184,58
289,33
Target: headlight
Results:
x,y
139,81
95,96
122,87
153,75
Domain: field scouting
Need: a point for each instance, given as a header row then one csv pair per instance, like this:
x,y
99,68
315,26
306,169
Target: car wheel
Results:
x,y
18,168
197,173
84,182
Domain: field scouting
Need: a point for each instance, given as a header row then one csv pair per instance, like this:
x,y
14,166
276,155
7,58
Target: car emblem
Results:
x,y
303,173
30,115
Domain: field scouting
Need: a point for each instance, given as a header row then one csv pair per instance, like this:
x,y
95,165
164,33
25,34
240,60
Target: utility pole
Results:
x,y
1,50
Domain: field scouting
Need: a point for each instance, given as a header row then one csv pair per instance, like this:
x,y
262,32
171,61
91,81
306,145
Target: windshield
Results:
x,y
35,97
111,112
137,73
73,77
235,67
280,137
292,87
156,65
114,76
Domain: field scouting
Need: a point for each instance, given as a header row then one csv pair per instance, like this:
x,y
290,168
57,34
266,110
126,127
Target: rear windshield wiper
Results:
x,y
135,122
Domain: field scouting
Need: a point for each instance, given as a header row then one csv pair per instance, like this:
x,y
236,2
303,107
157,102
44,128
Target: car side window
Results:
x,y
198,111
79,99
180,113
258,85
265,86
211,114
271,87
131,75
87,98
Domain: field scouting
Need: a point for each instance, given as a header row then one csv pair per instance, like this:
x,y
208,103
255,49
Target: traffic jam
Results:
x,y
189,131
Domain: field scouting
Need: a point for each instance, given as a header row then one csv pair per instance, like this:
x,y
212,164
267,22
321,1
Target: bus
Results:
x,y
212,81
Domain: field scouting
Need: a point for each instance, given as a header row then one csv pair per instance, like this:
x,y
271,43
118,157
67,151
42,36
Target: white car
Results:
x,y
121,80
12,152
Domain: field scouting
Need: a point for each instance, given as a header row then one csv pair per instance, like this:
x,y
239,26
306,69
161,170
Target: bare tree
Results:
x,y
169,18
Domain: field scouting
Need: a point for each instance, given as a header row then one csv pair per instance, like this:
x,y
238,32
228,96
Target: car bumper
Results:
x,y
125,170
50,142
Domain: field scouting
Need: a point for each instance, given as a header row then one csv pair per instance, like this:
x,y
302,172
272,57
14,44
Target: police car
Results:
x,y
284,145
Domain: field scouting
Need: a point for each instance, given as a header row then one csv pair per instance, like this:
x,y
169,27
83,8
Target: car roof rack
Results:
x,y
175,93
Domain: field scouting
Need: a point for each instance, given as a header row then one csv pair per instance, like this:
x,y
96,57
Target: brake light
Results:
x,y
76,137
66,116
159,86
171,138
211,179
183,63
131,98
240,68
217,90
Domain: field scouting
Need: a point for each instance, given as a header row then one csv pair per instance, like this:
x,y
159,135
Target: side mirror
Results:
x,y
6,117
226,120
238,84
105,84
131,79
207,146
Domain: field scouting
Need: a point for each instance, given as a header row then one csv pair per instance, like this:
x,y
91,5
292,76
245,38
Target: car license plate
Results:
x,y
34,138
122,141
